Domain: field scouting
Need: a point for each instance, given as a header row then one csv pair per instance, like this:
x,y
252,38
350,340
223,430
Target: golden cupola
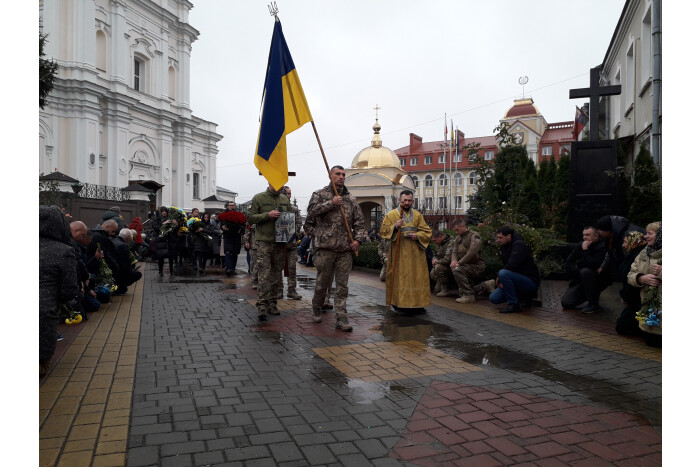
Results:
x,y
376,156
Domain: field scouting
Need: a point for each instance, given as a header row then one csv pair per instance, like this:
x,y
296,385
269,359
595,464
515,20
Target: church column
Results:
x,y
119,46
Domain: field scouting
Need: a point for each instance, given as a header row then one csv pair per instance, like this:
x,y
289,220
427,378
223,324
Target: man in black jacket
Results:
x,y
584,262
613,230
519,278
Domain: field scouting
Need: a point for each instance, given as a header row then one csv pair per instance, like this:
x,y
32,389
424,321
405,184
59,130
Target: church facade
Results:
x,y
119,112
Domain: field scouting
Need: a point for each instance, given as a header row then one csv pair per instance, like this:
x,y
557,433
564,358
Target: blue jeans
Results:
x,y
514,285
231,260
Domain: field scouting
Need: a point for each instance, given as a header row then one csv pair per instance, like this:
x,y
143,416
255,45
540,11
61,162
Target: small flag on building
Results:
x,y
579,122
284,110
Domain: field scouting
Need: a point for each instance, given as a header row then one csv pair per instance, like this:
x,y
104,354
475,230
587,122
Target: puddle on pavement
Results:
x,y
195,280
308,283
396,327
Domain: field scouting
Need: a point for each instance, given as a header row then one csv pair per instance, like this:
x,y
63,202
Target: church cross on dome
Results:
x,y
376,110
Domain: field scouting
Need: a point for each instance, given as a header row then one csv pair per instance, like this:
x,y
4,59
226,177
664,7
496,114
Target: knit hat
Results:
x,y
115,209
604,224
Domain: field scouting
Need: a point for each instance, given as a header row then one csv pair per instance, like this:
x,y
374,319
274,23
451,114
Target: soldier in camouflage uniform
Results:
x,y
264,210
468,263
441,272
334,250
383,250
249,243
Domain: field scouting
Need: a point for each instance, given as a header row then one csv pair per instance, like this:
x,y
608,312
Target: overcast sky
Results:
x,y
417,59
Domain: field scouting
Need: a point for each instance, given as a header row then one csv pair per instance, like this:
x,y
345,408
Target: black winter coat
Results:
x,y
232,238
616,254
201,245
165,246
99,236
517,257
591,258
57,274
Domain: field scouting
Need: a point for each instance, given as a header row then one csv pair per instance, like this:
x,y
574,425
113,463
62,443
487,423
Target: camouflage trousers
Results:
x,y
441,274
382,273
254,264
331,264
292,259
270,262
467,275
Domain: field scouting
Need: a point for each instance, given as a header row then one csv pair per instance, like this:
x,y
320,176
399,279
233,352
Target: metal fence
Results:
x,y
111,193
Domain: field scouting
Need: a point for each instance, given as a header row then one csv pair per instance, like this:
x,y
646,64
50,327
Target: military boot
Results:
x,y
341,322
316,315
292,293
466,299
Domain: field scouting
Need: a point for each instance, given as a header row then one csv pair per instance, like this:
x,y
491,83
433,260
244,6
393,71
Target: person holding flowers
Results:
x,y
165,228
232,224
646,274
200,236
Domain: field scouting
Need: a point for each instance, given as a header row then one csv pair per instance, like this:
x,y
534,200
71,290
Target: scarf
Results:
x,y
634,240
657,243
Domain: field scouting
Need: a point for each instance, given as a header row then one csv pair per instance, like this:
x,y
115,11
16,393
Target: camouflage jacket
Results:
x,y
383,247
467,248
329,229
443,252
249,237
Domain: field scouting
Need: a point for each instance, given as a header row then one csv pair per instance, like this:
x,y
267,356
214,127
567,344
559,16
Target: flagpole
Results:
x,y
335,190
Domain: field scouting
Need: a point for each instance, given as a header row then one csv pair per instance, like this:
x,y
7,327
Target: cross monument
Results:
x,y
595,92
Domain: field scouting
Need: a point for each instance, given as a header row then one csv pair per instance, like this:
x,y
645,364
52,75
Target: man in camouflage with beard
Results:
x,y
334,250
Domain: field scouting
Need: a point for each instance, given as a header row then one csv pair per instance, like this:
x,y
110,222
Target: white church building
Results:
x,y
120,109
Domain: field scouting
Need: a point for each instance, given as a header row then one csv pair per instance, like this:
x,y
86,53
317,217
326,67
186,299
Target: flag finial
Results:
x,y
272,7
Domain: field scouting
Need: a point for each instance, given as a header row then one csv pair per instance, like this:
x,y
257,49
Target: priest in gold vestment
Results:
x,y
407,280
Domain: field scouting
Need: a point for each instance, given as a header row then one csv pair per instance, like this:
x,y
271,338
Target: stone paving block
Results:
x,y
109,460
79,445
72,459
270,438
184,460
247,453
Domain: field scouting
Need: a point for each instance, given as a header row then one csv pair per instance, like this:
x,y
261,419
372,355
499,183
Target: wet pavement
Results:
x,y
458,385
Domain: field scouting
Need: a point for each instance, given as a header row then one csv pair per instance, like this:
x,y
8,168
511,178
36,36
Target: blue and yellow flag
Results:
x,y
284,110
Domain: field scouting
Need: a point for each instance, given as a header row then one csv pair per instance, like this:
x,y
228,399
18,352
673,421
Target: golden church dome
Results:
x,y
376,156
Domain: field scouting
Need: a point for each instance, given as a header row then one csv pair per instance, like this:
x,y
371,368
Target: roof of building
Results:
x,y
214,198
58,176
436,146
376,156
225,190
522,108
562,131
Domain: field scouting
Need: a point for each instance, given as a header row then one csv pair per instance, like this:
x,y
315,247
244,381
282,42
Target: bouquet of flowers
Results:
x,y
104,274
69,313
193,226
174,214
650,312
232,219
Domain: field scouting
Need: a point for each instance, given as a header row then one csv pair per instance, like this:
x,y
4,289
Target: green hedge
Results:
x,y
367,257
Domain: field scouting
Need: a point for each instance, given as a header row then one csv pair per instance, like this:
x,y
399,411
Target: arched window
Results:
x,y
442,180
458,179
472,178
171,83
428,180
415,181
100,51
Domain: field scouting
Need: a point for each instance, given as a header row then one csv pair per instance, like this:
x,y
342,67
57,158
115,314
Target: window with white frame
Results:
x,y
458,202
457,158
427,160
414,161
442,202
458,179
441,159
428,204
140,73
628,88
416,203
428,180
546,151
415,181
488,155
442,180
472,178
564,149
403,161
195,185
646,57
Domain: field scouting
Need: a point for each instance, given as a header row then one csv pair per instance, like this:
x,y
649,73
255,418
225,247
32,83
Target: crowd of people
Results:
x,y
81,268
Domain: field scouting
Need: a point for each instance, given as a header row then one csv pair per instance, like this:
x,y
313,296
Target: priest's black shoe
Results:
x,y
511,308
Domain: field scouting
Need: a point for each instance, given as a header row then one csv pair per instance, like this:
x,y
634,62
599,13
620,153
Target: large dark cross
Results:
x,y
595,92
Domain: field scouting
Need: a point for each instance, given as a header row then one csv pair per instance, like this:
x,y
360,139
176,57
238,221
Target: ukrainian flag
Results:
x,y
284,110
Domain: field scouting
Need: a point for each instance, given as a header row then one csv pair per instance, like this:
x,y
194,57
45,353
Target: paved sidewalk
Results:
x,y
458,385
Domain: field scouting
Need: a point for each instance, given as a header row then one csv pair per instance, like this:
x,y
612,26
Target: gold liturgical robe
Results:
x,y
407,282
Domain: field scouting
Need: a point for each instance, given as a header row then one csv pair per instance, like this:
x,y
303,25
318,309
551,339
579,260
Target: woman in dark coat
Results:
x,y
215,242
627,323
202,244
166,246
57,277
